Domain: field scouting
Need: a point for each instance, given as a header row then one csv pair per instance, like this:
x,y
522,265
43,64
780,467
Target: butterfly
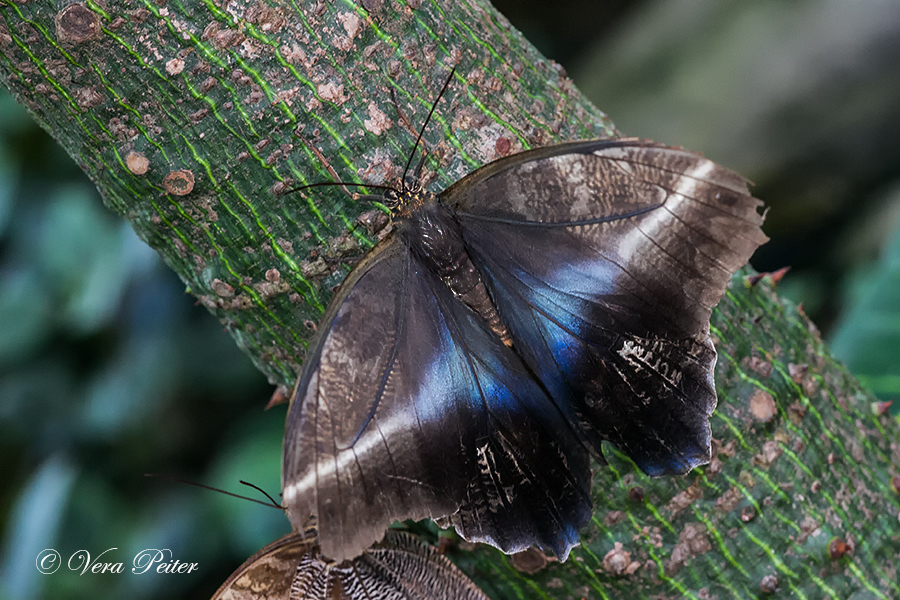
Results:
x,y
399,567
477,357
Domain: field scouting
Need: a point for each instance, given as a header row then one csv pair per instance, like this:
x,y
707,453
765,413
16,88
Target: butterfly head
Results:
x,y
406,196
403,200
407,200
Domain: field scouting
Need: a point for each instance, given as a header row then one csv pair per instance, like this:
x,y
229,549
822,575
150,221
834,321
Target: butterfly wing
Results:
x,y
269,573
410,407
604,260
400,567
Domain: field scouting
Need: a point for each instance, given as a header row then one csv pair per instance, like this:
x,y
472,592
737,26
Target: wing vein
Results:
x,y
399,328
545,224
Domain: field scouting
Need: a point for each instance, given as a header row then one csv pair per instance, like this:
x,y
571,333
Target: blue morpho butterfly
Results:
x,y
475,359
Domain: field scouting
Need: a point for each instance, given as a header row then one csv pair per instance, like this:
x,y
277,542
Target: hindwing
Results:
x,y
604,260
400,568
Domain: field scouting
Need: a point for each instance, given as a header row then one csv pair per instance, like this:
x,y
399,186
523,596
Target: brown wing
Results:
x,y
269,573
410,407
605,259
400,567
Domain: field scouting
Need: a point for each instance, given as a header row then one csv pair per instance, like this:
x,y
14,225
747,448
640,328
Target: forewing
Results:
x,y
409,407
604,260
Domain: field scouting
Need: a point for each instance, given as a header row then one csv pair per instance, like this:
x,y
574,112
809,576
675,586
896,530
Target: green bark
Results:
x,y
191,117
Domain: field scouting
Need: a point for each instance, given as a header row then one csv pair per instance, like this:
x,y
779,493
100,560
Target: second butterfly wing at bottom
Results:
x,y
410,407
399,568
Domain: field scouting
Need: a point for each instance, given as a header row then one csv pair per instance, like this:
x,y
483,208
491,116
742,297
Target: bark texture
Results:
x,y
193,117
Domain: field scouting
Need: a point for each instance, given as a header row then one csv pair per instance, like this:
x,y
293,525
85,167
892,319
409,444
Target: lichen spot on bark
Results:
x,y
769,584
763,407
618,561
222,289
529,561
137,163
77,23
174,66
377,122
502,146
332,92
179,183
838,548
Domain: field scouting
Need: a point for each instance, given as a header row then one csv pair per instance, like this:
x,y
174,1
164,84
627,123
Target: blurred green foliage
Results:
x,y
800,97
868,336
803,98
108,370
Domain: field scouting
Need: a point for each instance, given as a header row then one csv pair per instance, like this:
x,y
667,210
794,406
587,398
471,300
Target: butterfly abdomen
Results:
x,y
433,235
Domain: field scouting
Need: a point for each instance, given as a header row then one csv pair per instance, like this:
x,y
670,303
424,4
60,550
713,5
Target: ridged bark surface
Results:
x,y
191,117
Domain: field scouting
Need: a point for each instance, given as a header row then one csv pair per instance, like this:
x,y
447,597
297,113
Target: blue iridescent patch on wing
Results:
x,y
574,327
532,472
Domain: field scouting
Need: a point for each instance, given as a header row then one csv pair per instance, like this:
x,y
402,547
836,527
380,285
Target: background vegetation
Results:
x,y
109,371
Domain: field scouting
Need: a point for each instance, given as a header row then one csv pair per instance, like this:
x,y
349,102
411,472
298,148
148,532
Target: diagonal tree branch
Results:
x,y
193,118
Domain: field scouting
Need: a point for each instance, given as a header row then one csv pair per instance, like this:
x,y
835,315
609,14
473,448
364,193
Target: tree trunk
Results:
x,y
192,118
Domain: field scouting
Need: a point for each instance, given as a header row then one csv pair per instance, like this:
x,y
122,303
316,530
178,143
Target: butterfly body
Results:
x,y
431,232
471,364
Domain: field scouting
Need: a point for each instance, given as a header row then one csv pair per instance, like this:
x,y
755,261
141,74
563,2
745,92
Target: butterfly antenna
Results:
x,y
264,493
418,172
212,489
422,132
323,183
